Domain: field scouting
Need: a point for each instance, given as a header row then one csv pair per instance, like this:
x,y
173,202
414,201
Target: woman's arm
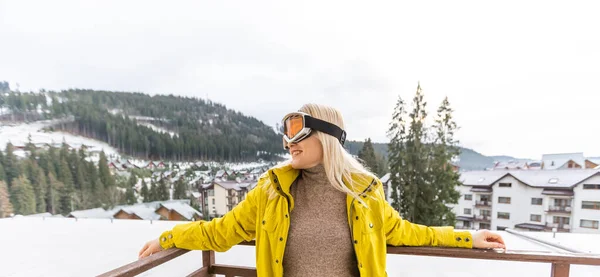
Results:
x,y
400,232
219,234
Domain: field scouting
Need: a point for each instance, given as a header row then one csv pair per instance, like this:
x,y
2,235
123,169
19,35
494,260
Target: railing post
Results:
x,y
208,260
560,270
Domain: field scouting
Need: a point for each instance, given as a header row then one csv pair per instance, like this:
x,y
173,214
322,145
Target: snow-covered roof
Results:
x,y
145,213
220,173
91,213
229,185
183,209
555,161
196,194
510,165
534,178
256,171
40,215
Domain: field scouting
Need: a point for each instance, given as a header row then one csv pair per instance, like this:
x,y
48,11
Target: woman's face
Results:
x,y
307,153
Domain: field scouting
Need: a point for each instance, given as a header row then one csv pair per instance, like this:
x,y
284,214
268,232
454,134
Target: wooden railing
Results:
x,y
561,263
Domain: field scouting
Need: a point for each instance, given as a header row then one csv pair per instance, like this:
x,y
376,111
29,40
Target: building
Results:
x,y
563,161
222,196
532,200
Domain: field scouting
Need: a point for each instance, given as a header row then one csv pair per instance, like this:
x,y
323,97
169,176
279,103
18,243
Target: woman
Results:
x,y
319,214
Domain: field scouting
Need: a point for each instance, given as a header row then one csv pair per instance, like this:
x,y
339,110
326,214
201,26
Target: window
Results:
x,y
213,201
500,228
503,215
505,185
536,201
467,211
211,192
592,205
589,186
486,226
486,213
589,224
561,220
535,218
468,197
504,200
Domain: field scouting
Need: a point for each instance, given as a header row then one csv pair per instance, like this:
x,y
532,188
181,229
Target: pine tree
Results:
x,y
6,208
130,196
66,194
37,178
443,175
367,155
416,190
153,192
105,176
11,165
145,192
396,152
22,196
162,192
2,173
100,193
30,147
53,198
180,190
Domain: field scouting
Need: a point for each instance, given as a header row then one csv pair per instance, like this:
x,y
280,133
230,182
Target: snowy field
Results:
x,y
18,135
88,247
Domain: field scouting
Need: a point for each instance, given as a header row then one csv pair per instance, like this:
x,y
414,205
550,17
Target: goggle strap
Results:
x,y
325,127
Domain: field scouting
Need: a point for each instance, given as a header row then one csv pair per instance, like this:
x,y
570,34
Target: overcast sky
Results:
x,y
523,76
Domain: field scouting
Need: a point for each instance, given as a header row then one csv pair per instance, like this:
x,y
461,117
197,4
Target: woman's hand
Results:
x,y
150,248
487,239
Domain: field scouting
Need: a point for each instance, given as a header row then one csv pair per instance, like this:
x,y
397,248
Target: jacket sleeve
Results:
x,y
401,232
219,234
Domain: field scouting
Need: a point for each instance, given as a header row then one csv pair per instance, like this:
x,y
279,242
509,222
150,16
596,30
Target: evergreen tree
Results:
x,y
416,190
53,199
105,176
145,192
444,177
100,193
66,194
40,188
6,208
30,147
420,164
162,192
180,190
396,151
22,196
2,173
367,156
153,192
130,196
11,165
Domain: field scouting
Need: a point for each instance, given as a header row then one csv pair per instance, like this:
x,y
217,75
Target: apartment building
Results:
x,y
532,200
219,197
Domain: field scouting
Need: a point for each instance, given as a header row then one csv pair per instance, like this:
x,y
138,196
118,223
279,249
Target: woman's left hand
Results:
x,y
487,239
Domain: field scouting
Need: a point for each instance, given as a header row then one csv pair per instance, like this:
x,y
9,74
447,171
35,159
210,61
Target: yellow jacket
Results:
x,y
267,220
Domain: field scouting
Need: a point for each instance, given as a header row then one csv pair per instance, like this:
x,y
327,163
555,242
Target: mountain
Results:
x,y
469,159
149,127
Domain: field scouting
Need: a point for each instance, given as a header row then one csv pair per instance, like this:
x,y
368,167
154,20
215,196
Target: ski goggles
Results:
x,y
298,125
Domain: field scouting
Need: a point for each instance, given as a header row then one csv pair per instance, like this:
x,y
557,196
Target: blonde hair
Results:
x,y
341,168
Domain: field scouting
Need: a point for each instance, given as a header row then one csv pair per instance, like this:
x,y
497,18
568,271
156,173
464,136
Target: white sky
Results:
x,y
521,75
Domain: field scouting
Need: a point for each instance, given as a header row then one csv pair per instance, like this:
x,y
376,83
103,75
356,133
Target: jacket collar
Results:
x,y
284,175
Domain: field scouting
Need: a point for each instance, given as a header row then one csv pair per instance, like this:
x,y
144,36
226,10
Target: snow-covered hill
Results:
x,y
18,135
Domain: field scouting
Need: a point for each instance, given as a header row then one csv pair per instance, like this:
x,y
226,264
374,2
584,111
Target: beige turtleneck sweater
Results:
x,y
319,241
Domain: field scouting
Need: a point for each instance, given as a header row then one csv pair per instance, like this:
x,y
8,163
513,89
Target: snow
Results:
x,y
18,135
86,247
241,166
157,129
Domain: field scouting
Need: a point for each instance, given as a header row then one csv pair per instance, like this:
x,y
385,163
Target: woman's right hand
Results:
x,y
150,248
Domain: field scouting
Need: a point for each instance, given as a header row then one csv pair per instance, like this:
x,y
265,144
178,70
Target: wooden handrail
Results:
x,y
560,262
